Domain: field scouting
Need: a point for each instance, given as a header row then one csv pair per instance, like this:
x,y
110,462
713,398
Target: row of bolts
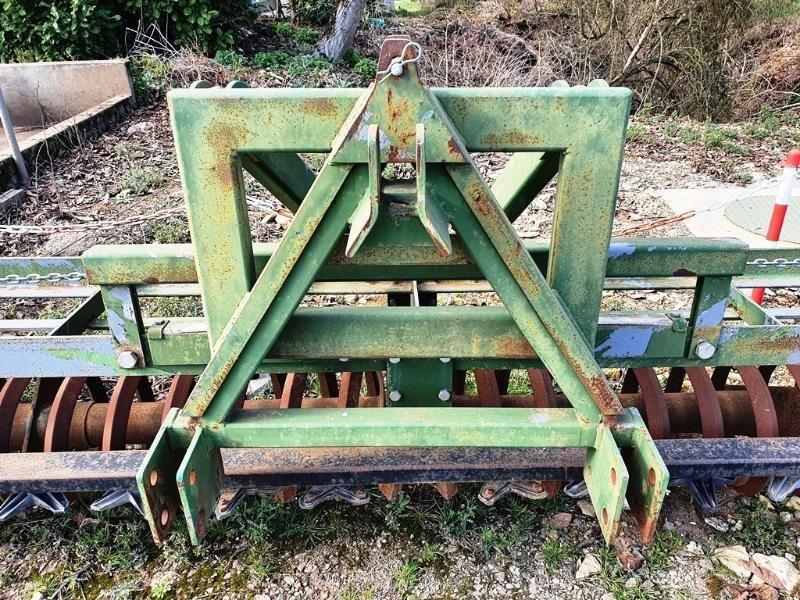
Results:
x,y
128,359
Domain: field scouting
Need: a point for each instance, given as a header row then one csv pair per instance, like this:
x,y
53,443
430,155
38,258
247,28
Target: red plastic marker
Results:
x,y
790,166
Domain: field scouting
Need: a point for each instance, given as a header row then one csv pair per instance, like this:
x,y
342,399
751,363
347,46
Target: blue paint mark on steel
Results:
x,y
65,356
626,342
37,264
712,316
794,359
116,321
617,249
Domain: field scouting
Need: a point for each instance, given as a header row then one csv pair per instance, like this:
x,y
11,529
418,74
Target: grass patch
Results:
x,y
173,230
722,138
274,60
659,552
688,135
231,59
635,132
409,7
557,552
762,529
614,577
429,555
143,179
350,592
171,306
301,35
88,548
493,541
395,510
406,576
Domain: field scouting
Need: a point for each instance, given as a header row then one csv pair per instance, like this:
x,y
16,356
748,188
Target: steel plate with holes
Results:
x,y
753,213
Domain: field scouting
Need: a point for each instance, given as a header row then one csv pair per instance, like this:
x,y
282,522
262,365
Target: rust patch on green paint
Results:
x,y
511,138
324,107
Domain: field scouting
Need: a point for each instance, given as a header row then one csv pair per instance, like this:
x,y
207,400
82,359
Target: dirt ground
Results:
x,y
417,546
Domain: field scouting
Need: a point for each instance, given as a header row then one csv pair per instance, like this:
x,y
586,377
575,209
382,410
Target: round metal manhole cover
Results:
x,y
753,213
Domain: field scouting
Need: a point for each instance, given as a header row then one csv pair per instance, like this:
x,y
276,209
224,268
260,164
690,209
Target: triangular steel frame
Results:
x,y
423,134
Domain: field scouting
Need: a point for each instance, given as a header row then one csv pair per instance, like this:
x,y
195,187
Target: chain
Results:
x,y
35,278
778,262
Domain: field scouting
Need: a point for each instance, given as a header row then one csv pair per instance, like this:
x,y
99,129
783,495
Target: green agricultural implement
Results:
x,y
265,392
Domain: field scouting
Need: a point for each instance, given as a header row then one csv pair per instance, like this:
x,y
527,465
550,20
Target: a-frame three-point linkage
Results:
x,y
345,212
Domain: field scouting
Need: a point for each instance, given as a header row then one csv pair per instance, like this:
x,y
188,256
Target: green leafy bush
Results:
x,y
284,29
275,59
231,58
86,29
303,35
366,67
316,12
305,63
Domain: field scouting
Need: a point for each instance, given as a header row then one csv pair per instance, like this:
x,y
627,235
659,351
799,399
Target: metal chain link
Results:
x,y
778,262
35,278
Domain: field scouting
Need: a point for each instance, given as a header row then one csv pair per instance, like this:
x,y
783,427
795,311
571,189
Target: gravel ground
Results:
x,y
417,546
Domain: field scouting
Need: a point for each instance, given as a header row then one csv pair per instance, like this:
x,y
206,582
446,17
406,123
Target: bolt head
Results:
x,y
395,395
444,395
127,359
394,361
445,359
704,350
396,68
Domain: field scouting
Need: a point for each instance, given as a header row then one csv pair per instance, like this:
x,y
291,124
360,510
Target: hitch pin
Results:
x,y
397,64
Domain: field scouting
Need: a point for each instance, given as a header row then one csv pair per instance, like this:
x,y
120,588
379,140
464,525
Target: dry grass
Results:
x,y
715,64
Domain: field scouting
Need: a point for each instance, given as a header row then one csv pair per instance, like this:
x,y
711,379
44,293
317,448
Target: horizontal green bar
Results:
x,y
418,427
94,355
628,257
417,332
488,119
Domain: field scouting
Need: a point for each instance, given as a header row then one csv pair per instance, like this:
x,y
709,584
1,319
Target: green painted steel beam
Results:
x,y
606,478
489,119
536,308
418,426
522,178
750,312
280,287
284,174
627,257
94,355
648,475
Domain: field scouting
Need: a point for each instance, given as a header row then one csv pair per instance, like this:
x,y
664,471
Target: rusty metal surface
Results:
x,y
56,436
10,395
657,416
765,420
684,410
119,409
261,468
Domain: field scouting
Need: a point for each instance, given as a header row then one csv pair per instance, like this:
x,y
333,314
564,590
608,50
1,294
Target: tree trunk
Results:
x,y
339,41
